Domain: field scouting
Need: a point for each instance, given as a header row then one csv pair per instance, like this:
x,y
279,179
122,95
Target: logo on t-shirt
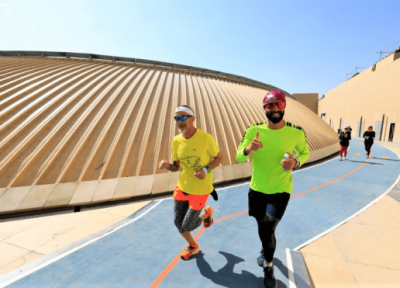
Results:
x,y
192,162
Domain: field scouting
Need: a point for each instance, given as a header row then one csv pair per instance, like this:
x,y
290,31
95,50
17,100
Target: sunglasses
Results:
x,y
271,106
182,118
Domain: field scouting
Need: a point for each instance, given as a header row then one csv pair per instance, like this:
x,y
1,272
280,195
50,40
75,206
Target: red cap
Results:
x,y
274,95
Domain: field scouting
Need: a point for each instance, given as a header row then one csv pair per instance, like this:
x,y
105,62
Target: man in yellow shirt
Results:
x,y
195,153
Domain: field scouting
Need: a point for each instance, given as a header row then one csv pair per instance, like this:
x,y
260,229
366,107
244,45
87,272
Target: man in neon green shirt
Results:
x,y
273,143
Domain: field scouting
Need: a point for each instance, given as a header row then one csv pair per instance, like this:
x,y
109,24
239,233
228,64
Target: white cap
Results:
x,y
184,109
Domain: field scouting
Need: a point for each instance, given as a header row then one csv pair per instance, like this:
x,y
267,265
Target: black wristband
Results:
x,y
214,195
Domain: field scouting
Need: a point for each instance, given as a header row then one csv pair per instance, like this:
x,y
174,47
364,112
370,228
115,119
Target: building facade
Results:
x,y
369,98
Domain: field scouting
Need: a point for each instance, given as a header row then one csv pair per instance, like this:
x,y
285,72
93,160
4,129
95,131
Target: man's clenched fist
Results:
x,y
201,174
163,164
288,164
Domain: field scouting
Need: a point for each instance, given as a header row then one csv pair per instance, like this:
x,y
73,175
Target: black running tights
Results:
x,y
185,218
268,210
368,146
266,232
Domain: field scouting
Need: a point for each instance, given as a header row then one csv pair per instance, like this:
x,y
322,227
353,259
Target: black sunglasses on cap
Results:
x,y
182,118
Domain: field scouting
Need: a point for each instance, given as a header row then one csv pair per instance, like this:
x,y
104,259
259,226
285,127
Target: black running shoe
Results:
x,y
261,258
269,277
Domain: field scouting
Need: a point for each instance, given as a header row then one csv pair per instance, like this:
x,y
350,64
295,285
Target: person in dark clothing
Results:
x,y
344,138
369,137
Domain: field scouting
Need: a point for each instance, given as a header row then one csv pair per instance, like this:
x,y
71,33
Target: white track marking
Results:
x,y
292,281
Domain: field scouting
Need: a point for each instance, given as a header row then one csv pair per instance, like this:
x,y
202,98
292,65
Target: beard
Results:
x,y
182,129
275,120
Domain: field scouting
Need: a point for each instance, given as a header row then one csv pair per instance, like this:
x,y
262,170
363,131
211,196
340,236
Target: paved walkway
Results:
x,y
144,252
365,251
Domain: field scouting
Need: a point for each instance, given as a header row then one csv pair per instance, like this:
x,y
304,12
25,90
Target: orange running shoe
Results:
x,y
207,222
189,251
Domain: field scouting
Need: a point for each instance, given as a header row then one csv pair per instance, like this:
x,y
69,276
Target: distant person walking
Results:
x,y
195,153
369,137
344,142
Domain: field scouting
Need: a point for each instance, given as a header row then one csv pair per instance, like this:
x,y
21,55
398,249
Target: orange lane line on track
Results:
x,y
227,217
333,181
171,265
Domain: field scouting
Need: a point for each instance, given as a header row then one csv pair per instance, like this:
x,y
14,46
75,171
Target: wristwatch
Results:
x,y
297,163
207,169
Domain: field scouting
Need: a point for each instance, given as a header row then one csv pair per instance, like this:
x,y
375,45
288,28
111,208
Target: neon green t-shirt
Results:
x,y
193,154
268,175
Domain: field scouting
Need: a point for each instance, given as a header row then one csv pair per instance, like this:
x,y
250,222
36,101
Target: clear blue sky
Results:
x,y
299,46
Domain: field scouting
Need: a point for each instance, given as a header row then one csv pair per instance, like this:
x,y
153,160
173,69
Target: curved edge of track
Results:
x,y
355,214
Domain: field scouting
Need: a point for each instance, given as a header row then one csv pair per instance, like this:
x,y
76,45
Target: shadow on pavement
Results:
x,y
225,276
386,159
278,264
372,163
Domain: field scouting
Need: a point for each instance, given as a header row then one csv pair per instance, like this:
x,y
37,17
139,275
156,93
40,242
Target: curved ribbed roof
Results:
x,y
65,120
74,55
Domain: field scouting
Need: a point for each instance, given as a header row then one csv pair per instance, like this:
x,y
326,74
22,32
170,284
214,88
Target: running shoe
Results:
x,y
345,158
261,258
208,221
189,251
340,158
269,277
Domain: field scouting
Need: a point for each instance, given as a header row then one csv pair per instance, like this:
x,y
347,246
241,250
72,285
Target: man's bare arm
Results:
x,y
216,161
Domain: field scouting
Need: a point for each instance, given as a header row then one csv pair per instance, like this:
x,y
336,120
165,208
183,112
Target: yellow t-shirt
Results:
x,y
193,154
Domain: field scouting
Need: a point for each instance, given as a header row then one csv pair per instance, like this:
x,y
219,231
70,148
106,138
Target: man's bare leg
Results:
x,y
188,237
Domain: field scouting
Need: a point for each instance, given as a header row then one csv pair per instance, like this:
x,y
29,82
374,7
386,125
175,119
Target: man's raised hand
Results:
x,y
255,144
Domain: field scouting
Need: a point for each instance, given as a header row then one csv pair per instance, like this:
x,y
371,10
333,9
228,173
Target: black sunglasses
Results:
x,y
182,118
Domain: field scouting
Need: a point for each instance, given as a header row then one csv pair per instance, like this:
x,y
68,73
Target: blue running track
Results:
x,y
137,254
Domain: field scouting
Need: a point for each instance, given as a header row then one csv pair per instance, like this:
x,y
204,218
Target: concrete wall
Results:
x,y
310,100
369,98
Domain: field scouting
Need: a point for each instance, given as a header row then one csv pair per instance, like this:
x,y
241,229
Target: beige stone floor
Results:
x,y
364,252
23,241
